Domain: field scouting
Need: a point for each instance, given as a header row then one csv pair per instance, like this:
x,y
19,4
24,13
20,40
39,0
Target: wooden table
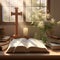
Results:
x,y
52,55
55,55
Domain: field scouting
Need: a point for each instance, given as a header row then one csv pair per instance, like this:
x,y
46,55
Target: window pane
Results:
x,y
6,14
37,13
44,2
27,7
39,2
28,2
12,18
16,3
28,14
8,7
36,2
44,9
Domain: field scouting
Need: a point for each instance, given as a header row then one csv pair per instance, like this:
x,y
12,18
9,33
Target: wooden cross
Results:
x,y
16,20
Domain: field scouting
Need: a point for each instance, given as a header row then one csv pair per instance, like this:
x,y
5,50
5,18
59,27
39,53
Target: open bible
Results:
x,y
24,45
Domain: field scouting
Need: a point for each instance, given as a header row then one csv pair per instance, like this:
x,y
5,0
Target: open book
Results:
x,y
24,45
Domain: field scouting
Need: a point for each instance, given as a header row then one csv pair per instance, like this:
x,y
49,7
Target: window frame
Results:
x,y
12,23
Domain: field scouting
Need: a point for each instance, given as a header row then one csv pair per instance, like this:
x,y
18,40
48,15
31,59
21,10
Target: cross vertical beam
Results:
x,y
16,20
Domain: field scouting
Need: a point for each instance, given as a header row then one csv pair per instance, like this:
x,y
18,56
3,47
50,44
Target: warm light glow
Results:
x,y
41,24
38,1
21,24
25,31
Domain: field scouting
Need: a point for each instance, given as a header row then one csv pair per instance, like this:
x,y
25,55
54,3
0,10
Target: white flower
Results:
x,y
32,22
41,10
44,18
52,20
36,16
58,22
40,14
47,16
41,24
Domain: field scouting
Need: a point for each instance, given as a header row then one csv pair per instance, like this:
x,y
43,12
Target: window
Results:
x,y
34,5
8,7
27,7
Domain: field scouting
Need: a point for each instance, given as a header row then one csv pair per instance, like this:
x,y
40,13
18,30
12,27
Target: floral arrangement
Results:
x,y
44,22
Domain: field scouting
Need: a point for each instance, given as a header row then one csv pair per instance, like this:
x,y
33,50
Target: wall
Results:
x,y
55,12
54,8
10,30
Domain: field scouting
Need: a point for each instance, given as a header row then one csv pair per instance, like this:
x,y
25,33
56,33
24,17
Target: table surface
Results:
x,y
51,53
